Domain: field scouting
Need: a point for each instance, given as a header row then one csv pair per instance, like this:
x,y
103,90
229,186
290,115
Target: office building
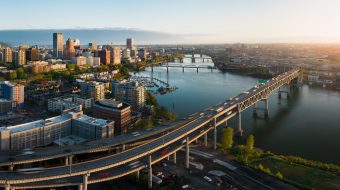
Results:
x,y
58,47
13,92
105,57
116,111
6,106
92,128
126,54
19,58
69,51
7,55
60,104
130,43
143,54
45,132
92,89
80,60
32,54
115,55
130,92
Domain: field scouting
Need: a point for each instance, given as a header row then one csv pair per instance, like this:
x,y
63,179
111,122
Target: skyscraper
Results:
x,y
58,41
69,51
115,55
104,55
7,55
130,43
32,54
19,57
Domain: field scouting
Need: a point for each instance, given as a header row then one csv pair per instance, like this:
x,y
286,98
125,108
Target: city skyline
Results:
x,y
197,21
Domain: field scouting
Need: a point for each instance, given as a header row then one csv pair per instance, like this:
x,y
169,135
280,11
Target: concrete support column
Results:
x,y
85,180
137,175
197,69
175,158
266,109
123,147
215,134
239,125
168,158
167,69
206,139
80,186
187,154
7,187
11,167
66,161
183,69
150,173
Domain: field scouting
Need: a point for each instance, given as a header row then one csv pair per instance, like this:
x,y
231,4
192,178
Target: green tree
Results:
x,y
21,74
12,75
71,66
250,142
227,138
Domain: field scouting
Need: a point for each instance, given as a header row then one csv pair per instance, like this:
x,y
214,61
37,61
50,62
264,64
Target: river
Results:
x,y
307,124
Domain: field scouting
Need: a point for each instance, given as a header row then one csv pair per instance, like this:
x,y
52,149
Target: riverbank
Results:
x,y
300,172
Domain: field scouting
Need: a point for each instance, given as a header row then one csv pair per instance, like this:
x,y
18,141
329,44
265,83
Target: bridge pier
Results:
x,y
167,69
85,181
193,60
123,147
239,123
197,69
152,68
183,69
80,186
206,139
175,158
150,173
11,167
137,175
203,60
215,134
7,187
187,154
266,109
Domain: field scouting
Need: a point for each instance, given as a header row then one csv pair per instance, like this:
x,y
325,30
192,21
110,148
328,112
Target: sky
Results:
x,y
201,20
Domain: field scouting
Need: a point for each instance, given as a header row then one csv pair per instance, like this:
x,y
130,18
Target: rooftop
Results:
x,y
38,123
112,104
91,120
69,140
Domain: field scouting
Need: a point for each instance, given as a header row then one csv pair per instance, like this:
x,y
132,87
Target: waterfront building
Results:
x,y
130,92
105,57
19,58
58,47
116,111
92,89
7,54
13,92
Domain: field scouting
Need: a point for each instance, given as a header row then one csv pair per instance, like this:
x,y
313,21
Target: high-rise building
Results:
x,y
111,109
130,92
13,92
32,54
19,58
58,43
93,46
92,89
105,57
126,53
8,55
115,55
130,43
143,54
69,51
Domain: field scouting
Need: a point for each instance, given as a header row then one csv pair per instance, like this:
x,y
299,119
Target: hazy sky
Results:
x,y
204,20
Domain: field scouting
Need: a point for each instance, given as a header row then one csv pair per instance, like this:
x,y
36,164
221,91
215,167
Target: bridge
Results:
x,y
166,144
191,66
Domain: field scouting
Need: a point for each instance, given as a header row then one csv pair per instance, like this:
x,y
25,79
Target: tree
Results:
x,y
227,138
21,74
250,142
279,175
12,75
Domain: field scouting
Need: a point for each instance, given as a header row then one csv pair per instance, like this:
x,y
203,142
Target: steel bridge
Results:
x,y
191,66
145,155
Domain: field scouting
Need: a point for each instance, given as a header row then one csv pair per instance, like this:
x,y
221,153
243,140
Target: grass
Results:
x,y
304,176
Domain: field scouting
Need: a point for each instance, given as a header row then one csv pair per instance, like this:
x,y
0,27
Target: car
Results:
x,y
185,186
208,179
30,170
246,92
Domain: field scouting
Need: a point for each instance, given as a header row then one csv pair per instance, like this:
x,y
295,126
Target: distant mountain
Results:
x,y
100,36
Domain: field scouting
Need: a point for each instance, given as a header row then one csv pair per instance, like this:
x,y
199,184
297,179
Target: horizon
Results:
x,y
199,21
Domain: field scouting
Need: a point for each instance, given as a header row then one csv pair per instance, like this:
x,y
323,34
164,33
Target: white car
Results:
x,y
207,178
